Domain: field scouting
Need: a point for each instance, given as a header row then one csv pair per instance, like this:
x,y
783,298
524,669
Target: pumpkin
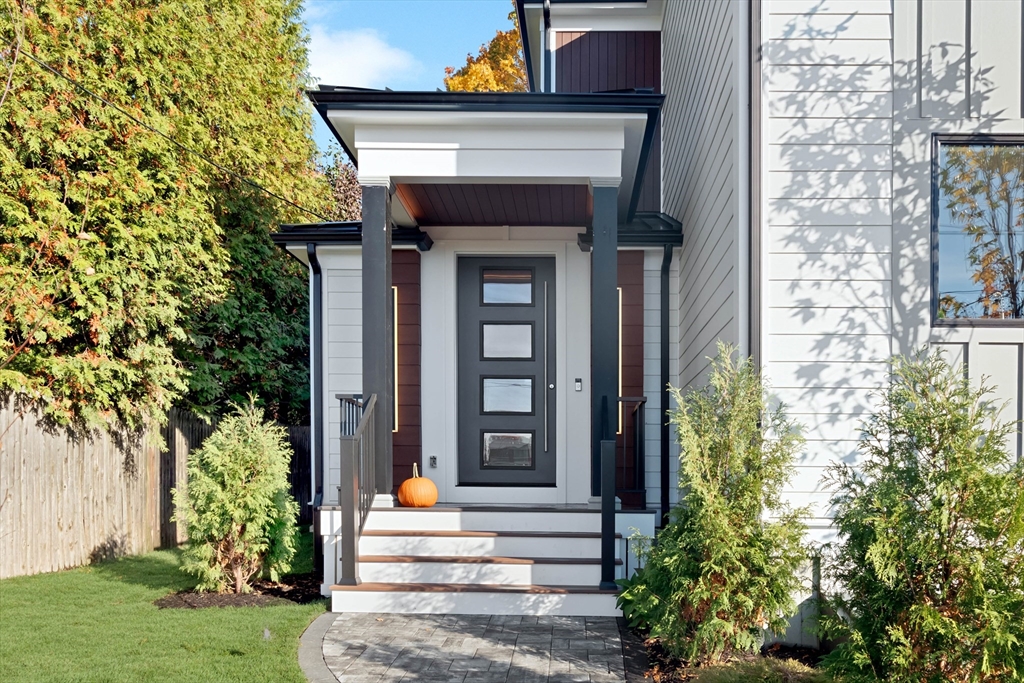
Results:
x,y
418,492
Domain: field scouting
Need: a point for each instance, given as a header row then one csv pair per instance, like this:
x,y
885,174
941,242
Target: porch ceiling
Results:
x,y
483,159
437,204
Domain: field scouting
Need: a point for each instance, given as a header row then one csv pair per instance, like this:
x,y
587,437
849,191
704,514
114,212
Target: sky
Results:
x,y
397,44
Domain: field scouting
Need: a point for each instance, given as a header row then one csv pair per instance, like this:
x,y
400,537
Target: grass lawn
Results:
x,y
98,623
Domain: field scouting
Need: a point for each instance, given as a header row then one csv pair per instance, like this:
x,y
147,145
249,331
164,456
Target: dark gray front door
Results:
x,y
506,371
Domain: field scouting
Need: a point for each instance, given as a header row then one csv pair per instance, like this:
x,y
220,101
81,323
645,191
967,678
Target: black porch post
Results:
x,y
378,323
604,323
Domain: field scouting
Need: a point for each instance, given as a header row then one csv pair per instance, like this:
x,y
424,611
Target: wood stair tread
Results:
x,y
471,588
473,559
458,533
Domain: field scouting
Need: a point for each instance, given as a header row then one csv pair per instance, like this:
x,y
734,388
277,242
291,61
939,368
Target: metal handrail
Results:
x,y
639,484
357,489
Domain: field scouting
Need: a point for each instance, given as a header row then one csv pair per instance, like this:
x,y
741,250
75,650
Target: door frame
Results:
x,y
439,363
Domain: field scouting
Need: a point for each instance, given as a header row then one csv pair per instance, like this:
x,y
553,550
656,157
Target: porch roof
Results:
x,y
482,158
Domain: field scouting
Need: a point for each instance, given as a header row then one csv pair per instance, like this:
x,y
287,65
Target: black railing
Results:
x,y
633,484
357,489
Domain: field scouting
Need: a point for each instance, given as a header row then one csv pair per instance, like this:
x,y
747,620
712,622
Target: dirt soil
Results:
x,y
297,588
664,668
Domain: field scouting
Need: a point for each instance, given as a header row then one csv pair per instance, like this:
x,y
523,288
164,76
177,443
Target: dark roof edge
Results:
x,y
648,229
336,97
348,232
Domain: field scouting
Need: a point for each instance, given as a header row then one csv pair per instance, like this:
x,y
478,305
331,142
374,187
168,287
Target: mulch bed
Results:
x,y
295,589
653,663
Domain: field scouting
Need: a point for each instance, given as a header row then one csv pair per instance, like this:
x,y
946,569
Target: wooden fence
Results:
x,y
68,499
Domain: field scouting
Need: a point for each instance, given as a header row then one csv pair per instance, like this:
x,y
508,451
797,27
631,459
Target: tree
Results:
x,y
133,273
498,67
983,189
346,193
239,516
724,569
928,568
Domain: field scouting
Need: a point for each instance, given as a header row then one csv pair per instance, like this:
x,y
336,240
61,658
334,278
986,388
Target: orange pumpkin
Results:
x,y
418,492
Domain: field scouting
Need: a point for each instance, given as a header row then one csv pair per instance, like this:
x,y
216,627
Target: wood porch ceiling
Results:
x,y
453,204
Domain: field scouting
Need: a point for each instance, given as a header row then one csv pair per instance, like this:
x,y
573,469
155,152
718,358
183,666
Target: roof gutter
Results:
x,y
548,85
316,397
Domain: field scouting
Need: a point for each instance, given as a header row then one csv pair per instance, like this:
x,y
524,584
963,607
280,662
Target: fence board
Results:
x,y
67,499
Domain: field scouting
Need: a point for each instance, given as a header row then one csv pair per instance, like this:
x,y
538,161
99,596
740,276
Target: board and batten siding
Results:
x,y
828,224
704,151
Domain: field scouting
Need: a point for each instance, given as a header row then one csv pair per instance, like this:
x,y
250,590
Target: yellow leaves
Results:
x,y
498,67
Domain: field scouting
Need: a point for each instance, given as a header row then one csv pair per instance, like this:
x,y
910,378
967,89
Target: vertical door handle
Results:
x,y
544,340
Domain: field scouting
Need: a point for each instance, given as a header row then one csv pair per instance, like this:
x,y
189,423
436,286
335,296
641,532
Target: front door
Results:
x,y
506,367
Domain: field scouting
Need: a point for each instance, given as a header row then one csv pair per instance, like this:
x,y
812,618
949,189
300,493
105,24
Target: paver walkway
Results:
x,y
374,648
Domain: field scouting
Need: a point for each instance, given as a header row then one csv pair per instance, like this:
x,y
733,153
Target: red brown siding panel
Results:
x,y
631,281
408,439
594,61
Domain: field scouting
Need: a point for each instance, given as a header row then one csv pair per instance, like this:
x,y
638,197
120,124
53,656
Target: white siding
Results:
x,y
704,146
828,224
343,358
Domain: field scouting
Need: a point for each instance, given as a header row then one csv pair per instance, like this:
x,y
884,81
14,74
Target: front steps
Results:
x,y
480,560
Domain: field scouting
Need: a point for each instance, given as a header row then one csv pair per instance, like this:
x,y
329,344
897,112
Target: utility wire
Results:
x,y
174,142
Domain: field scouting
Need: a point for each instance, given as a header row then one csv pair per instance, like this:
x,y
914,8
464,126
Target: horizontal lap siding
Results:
x,y
702,147
344,361
828,224
596,61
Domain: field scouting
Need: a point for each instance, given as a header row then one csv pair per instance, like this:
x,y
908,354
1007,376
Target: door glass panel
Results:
x,y
508,395
508,341
507,286
508,449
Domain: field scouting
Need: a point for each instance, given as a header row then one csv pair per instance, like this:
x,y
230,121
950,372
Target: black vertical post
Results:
x,y
604,321
608,515
378,324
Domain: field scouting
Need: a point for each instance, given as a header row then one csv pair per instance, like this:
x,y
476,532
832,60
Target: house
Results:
x,y
533,269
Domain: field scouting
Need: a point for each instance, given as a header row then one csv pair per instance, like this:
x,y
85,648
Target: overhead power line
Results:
x,y
171,140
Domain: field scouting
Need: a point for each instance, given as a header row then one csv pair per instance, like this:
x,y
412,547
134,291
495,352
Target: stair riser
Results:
x,y
577,605
504,574
502,546
462,520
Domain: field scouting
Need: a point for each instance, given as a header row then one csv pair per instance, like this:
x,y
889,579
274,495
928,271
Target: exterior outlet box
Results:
x,y
579,384
433,461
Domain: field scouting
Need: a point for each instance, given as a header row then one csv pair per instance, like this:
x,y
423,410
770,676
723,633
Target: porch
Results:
x,y
517,208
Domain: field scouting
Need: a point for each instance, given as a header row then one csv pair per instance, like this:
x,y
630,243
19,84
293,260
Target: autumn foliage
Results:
x,y
498,67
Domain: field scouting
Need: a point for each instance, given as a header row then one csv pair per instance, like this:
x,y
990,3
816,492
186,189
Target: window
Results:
x,y
978,229
507,287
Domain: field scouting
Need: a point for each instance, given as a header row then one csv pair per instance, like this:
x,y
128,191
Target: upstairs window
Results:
x,y
978,228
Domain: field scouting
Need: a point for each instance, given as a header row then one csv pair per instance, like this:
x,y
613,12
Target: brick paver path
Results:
x,y
378,648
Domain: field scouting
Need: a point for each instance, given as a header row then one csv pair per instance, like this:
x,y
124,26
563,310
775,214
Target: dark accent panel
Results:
x,y
599,61
495,205
408,439
631,281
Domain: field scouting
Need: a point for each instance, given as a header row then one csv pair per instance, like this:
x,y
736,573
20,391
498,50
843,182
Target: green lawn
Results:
x,y
98,623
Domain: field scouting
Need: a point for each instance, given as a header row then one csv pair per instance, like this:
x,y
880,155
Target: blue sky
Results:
x,y
398,44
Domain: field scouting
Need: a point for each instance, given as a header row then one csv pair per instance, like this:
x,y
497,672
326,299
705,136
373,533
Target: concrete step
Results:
x,y
481,543
485,518
520,571
451,598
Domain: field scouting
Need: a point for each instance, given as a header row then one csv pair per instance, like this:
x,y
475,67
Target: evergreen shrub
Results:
x,y
725,568
928,568
238,511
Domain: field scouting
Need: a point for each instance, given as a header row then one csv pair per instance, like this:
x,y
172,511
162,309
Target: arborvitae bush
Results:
x,y
929,561
725,568
239,514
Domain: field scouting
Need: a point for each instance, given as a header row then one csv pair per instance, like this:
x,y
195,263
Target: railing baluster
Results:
x,y
355,494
